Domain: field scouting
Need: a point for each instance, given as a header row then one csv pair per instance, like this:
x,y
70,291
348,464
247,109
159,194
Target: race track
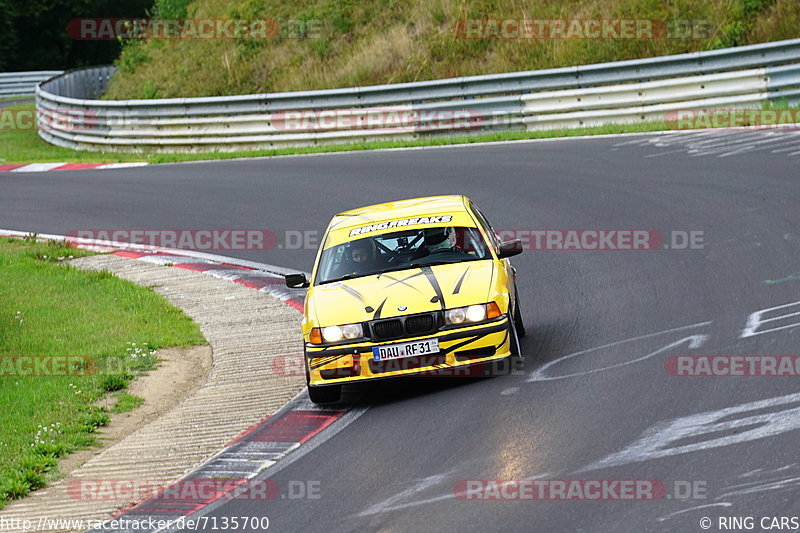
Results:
x,y
609,412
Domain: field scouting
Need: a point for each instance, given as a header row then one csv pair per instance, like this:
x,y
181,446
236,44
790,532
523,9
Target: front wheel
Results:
x,y
518,323
318,395
516,352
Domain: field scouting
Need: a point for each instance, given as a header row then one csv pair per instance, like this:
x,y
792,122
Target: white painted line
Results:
x,y
706,506
232,274
38,167
708,430
111,166
393,503
761,486
754,320
694,342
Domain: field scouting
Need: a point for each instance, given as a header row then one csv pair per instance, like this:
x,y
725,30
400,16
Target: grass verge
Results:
x,y
47,311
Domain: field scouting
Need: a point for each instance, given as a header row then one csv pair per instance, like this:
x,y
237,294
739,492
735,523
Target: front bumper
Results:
x,y
459,347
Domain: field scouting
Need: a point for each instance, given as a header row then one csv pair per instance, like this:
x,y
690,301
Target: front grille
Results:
x,y
404,326
387,329
420,324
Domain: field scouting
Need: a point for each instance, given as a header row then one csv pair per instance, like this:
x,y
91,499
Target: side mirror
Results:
x,y
296,281
510,248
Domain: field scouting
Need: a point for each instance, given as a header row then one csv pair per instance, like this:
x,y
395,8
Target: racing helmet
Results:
x,y
439,238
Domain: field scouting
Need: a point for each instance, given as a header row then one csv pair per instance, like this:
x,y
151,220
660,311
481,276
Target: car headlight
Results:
x,y
337,333
455,316
472,313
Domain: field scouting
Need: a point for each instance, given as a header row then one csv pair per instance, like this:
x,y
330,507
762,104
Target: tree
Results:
x,y
35,36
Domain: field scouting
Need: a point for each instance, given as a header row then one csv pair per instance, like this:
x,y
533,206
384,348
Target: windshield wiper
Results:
x,y
343,278
434,263
353,275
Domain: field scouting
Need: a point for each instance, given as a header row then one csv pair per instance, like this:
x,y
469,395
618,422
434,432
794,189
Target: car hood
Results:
x,y
403,292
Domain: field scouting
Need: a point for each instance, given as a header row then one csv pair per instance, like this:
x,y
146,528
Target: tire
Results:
x,y
327,394
518,323
516,353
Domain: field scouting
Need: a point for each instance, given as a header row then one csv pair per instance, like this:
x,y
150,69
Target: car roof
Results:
x,y
453,205
400,209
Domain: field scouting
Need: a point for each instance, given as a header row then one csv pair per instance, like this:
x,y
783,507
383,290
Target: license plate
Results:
x,y
405,349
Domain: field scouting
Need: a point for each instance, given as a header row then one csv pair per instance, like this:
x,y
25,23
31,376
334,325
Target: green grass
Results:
x,y
25,146
390,41
126,402
48,309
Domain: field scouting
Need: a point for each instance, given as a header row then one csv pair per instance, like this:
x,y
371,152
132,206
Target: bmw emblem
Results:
x,y
402,308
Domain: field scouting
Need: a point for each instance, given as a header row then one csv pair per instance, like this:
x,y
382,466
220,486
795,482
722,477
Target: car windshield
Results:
x,y
401,250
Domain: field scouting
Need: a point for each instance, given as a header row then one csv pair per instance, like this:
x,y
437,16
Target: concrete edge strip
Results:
x,y
48,167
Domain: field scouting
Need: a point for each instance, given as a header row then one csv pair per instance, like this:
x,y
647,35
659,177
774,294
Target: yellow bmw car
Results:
x,y
405,288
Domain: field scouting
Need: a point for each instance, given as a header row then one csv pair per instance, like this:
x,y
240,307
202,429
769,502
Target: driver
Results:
x,y
440,240
360,255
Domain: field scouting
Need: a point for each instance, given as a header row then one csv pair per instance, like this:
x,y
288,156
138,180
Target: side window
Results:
x,y
486,226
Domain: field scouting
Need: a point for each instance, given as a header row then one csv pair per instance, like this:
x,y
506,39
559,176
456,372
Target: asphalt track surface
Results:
x,y
614,412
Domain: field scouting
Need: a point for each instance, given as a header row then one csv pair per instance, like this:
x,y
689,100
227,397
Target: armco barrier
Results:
x,y
620,92
23,83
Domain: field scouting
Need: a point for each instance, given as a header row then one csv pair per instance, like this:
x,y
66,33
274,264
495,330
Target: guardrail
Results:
x,y
23,83
72,115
